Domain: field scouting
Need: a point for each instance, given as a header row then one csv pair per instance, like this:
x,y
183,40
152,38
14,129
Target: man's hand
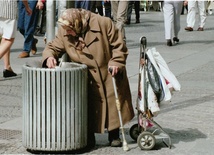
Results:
x,y
51,62
185,2
27,8
113,70
39,5
142,61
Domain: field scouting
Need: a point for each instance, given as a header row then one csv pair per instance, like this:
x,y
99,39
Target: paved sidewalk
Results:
x,y
188,118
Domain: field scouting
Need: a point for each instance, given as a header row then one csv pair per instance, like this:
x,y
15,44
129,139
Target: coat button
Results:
x,y
95,70
98,85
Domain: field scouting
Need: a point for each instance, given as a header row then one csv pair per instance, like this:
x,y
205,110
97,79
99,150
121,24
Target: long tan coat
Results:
x,y
104,47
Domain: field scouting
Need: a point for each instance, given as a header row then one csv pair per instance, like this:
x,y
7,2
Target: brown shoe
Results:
x,y
189,28
24,54
200,29
33,48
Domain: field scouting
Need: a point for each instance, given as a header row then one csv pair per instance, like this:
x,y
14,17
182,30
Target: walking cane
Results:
x,y
125,145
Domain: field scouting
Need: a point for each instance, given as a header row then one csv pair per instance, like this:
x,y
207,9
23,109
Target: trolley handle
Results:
x,y
143,42
110,70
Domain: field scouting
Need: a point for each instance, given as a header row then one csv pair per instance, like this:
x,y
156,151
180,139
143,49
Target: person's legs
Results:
x,y
93,6
137,10
85,4
6,59
121,17
168,19
114,8
28,28
8,72
202,13
8,31
178,8
191,14
21,22
129,12
107,6
5,46
5,54
114,138
99,6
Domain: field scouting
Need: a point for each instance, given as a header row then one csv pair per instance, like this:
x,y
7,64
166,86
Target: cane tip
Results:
x,y
125,148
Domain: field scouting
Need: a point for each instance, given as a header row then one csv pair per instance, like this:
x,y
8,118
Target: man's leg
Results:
x,y
30,24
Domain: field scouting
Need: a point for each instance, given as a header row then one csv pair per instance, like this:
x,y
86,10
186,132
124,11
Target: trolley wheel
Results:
x,y
146,140
134,132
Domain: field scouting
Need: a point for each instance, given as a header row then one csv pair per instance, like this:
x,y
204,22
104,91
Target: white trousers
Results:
x,y
193,5
172,11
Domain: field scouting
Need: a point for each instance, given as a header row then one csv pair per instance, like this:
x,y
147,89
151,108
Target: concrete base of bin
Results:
x,y
55,108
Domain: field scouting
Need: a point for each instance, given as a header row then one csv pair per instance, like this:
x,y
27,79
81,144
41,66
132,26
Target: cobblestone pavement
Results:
x,y
188,118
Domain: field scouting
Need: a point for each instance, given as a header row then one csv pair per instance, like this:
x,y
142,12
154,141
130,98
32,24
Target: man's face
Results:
x,y
69,31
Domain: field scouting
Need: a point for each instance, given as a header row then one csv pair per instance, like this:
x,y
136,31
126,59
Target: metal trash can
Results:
x,y
55,107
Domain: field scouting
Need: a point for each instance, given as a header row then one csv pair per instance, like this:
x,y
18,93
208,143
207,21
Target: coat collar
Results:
x,y
90,36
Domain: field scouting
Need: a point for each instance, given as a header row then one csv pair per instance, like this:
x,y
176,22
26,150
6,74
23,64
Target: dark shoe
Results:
x,y
116,143
175,40
169,42
189,28
24,54
200,29
127,22
113,137
137,21
8,73
33,47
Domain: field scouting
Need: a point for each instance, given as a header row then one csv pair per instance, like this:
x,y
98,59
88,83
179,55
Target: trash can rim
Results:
x,y
75,66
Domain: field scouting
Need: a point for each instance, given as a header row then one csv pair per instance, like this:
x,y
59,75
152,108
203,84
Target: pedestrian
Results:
x,y
97,5
172,11
107,6
185,6
210,7
119,10
84,4
193,6
137,11
27,26
94,40
8,25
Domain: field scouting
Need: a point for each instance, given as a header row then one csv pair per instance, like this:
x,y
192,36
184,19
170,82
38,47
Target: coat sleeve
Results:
x,y
118,49
55,48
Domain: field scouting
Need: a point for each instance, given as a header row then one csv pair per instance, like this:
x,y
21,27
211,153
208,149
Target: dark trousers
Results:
x,y
107,6
96,5
113,135
137,10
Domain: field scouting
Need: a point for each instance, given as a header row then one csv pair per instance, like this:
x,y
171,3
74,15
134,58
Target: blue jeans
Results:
x,y
84,4
27,24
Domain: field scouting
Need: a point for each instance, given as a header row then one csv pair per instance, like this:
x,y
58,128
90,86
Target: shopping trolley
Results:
x,y
146,131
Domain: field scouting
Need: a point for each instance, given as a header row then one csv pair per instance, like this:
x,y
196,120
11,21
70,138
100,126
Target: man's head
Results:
x,y
74,21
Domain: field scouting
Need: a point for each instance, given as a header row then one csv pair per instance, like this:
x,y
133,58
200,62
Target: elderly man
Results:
x,y
94,40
